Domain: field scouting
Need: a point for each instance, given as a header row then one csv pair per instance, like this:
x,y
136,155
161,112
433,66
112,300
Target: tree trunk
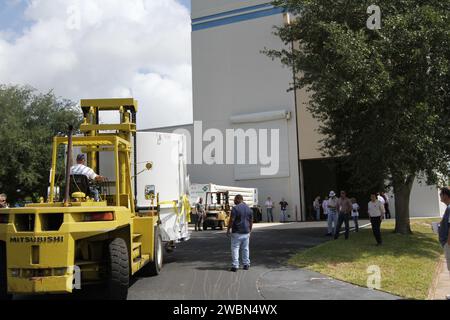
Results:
x,y
402,190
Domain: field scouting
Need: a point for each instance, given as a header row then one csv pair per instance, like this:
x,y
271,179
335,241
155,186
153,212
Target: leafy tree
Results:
x,y
28,123
382,96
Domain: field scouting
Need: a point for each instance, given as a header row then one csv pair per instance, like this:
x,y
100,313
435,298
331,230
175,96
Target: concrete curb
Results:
x,y
434,284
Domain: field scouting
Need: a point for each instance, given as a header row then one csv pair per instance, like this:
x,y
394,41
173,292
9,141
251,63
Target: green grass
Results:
x,y
407,262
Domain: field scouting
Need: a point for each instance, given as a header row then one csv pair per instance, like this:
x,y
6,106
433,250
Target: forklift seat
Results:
x,y
79,183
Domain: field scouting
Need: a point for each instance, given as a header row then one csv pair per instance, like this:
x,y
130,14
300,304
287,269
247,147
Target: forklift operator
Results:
x,y
81,169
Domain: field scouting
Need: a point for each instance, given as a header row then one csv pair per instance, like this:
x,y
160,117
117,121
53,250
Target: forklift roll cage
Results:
x,y
116,138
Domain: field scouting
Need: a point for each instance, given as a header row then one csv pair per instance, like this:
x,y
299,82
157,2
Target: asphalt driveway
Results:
x,y
198,269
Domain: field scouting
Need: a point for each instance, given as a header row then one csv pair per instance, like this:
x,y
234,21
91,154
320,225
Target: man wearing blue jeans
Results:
x,y
239,229
332,204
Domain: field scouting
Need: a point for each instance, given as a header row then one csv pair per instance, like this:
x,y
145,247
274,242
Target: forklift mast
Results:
x,y
106,137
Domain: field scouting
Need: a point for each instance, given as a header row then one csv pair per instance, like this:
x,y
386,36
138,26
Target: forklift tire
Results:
x,y
153,268
118,270
3,274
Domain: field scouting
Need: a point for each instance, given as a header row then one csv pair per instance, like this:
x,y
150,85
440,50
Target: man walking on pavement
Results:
x,y
344,207
239,229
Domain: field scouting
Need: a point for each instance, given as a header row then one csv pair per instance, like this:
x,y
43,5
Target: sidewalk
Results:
x,y
441,285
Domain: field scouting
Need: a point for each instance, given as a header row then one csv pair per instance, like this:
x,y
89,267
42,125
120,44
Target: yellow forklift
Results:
x,y
217,210
60,246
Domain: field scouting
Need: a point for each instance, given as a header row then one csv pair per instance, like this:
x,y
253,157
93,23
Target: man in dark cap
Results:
x,y
81,169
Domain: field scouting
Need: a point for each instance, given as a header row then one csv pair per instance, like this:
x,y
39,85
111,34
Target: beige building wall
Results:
x,y
231,77
309,137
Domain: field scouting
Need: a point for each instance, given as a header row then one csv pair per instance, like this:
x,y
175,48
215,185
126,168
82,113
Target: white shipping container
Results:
x,y
168,177
198,190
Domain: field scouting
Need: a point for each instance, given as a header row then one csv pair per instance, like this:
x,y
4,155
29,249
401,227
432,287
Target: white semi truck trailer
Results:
x,y
198,190
160,178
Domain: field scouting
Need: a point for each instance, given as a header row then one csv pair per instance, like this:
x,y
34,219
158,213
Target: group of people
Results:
x,y
270,205
340,210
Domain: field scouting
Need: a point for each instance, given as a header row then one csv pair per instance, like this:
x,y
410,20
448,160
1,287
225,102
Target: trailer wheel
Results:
x,y
153,268
3,274
118,270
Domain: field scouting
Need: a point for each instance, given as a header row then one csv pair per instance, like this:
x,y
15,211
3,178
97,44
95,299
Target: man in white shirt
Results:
x,y
376,213
269,209
81,169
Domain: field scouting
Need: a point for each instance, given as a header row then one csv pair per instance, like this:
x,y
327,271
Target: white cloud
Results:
x,y
107,48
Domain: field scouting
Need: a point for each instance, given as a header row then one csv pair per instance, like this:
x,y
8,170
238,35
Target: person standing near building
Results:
x,y
316,206
444,227
283,206
3,203
386,204
376,213
269,209
332,204
325,207
355,214
380,198
239,229
200,212
345,210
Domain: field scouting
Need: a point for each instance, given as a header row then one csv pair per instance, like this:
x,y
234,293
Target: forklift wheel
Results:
x,y
118,270
3,275
153,268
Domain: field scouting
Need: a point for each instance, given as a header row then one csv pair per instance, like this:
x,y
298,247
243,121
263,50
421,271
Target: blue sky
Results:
x,y
52,48
12,14
186,3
